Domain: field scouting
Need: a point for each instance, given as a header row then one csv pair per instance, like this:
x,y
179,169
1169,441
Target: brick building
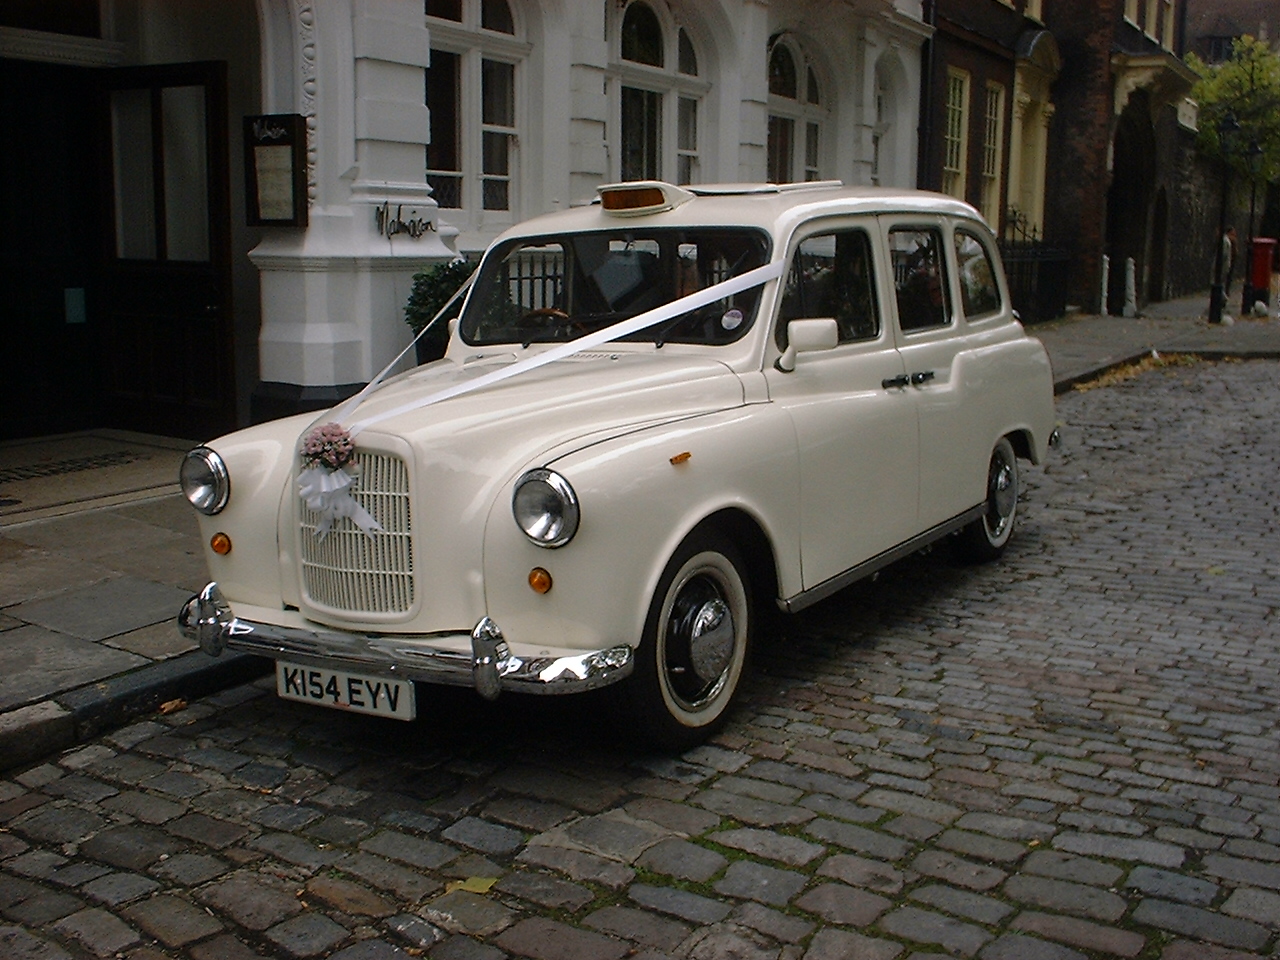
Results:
x,y
1130,183
1070,120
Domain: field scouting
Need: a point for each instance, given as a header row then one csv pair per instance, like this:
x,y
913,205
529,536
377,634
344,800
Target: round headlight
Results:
x,y
205,481
545,508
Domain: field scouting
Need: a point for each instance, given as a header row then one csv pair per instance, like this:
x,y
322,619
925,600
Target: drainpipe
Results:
x,y
929,9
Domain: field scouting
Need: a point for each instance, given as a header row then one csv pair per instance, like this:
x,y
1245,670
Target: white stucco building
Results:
x,y
450,119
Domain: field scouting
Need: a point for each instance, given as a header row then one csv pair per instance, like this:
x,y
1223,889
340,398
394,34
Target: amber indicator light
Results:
x,y
539,580
220,543
632,199
680,458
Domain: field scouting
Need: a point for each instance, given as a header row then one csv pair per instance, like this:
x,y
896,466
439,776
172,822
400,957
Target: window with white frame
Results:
x,y
992,153
955,140
882,124
476,56
659,95
796,115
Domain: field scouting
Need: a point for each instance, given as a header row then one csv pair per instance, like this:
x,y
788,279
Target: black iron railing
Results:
x,y
1037,271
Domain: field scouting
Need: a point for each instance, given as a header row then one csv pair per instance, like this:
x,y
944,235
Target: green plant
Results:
x,y
432,289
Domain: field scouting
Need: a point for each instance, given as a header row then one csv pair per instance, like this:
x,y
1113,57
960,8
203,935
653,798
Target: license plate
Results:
x,y
346,691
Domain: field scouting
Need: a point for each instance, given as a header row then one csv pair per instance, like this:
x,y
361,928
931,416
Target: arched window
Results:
x,y
796,114
642,35
658,93
476,57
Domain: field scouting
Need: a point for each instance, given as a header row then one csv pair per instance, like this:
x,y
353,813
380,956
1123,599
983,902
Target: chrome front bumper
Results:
x,y
490,667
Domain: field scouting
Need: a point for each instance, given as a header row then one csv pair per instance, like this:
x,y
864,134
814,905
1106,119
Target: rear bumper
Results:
x,y
489,665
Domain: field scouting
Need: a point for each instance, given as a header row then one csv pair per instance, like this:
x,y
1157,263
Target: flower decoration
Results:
x,y
325,484
328,446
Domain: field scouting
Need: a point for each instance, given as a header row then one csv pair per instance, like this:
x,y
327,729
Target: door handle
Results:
x,y
922,376
901,380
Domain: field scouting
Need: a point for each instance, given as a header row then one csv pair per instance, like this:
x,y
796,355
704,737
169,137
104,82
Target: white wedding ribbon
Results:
x,y
717,291
349,405
325,491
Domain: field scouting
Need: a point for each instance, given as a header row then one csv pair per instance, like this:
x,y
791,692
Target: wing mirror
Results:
x,y
806,336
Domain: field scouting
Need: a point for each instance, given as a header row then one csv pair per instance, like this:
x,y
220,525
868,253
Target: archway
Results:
x,y
1156,283
1133,173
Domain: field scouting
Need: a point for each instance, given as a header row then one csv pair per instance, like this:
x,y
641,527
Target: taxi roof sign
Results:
x,y
634,198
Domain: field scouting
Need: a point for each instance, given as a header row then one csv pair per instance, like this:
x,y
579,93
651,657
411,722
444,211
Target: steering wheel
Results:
x,y
545,312
567,324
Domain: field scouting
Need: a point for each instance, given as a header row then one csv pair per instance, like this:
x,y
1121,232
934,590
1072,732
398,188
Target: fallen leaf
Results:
x,y
172,706
471,885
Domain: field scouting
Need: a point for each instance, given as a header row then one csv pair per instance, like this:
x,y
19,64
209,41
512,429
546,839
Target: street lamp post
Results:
x,y
1247,292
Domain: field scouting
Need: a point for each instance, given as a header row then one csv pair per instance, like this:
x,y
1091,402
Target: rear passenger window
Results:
x,y
979,292
830,276
919,277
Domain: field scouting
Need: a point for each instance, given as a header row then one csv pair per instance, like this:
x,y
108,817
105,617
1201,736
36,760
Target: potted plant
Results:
x,y
432,289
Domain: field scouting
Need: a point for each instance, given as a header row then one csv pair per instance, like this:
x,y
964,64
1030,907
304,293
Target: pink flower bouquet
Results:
x,y
328,446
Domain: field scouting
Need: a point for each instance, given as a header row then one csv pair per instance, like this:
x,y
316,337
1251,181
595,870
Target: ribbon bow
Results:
x,y
326,492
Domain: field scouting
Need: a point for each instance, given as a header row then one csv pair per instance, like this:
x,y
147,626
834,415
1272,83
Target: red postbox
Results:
x,y
1262,251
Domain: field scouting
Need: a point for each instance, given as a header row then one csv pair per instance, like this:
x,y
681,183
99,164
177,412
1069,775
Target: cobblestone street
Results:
x,y
1071,753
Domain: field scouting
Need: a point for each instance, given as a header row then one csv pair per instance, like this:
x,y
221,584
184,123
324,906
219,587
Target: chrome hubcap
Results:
x,y
700,640
1002,498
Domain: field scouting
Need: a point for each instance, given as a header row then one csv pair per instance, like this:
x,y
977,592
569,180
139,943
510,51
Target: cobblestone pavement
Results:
x,y
1072,753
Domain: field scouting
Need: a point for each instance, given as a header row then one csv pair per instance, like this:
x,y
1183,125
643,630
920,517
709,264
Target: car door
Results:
x,y
856,430
934,340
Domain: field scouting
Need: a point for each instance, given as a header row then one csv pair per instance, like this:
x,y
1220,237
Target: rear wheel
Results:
x,y
693,653
986,538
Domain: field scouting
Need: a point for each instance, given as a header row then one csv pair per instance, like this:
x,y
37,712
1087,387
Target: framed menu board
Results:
x,y
275,169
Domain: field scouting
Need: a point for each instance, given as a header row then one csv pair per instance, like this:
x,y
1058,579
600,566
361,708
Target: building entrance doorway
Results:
x,y
165,291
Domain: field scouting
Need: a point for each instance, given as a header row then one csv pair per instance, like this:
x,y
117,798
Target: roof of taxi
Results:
x,y
770,207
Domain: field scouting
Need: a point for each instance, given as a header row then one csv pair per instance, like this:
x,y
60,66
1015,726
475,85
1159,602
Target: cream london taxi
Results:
x,y
657,415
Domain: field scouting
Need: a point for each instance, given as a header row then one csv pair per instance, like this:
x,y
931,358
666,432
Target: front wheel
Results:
x,y
985,538
693,653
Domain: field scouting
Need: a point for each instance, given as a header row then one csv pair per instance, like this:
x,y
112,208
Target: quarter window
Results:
x,y
979,292
919,278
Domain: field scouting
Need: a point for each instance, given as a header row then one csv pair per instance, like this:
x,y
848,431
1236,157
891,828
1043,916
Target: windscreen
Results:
x,y
555,288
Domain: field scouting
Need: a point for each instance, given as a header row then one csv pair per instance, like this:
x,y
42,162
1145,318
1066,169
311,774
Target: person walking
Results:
x,y
1229,247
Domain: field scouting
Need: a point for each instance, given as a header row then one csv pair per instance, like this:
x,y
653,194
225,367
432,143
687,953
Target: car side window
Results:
x,y
919,277
979,292
831,276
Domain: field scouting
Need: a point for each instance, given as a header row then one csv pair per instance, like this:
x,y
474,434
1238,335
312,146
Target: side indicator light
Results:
x,y
220,544
540,580
680,458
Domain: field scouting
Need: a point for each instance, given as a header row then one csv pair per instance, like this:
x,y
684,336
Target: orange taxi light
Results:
x,y
632,198
539,580
220,544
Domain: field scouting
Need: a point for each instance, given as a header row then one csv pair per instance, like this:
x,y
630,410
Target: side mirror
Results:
x,y
806,336
453,327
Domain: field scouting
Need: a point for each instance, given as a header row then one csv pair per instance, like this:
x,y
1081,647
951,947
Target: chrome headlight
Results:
x,y
545,508
205,481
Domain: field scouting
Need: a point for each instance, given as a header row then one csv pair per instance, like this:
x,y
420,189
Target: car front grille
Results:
x,y
355,572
